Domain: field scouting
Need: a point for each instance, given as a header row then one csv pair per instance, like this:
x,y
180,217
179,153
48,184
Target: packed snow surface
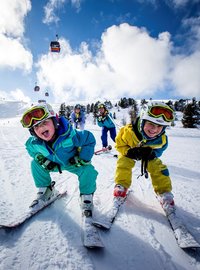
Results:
x,y
140,237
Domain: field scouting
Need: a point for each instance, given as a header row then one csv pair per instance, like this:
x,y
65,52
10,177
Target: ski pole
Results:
x,y
117,125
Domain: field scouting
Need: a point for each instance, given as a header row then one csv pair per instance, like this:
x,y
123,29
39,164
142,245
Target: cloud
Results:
x,y
128,61
76,4
53,5
14,95
192,27
12,13
15,55
138,60
186,75
49,11
179,3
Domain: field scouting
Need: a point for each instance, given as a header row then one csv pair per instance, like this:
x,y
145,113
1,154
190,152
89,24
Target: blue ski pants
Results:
x,y
86,176
104,135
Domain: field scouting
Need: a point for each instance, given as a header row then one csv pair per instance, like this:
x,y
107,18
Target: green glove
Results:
x,y
78,162
45,163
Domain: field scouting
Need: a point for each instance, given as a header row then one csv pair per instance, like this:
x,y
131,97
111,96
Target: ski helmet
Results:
x,y
158,113
38,113
77,106
101,105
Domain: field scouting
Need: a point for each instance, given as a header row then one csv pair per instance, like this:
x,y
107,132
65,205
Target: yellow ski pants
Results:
x,y
157,170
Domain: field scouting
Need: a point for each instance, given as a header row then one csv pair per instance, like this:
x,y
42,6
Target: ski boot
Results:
x,y
167,202
44,194
87,205
120,191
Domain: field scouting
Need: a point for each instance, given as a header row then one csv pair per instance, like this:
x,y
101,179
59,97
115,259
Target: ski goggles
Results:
x,y
166,113
36,113
101,106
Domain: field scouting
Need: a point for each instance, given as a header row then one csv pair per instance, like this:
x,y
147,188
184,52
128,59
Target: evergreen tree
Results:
x,y
134,111
143,102
191,115
180,105
62,110
92,108
123,103
88,108
108,104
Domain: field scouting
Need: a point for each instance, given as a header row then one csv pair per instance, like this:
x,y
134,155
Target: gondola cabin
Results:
x,y
36,88
55,46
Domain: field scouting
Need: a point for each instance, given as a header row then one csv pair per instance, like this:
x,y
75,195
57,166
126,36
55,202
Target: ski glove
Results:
x,y
78,120
78,162
101,118
141,153
46,163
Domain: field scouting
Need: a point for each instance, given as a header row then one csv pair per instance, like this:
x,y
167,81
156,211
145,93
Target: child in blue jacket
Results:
x,y
105,120
78,117
56,146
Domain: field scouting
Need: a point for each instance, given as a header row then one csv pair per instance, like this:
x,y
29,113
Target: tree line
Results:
x,y
190,109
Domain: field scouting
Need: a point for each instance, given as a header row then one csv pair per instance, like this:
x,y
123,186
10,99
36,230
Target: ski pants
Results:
x,y
79,125
86,176
158,172
104,135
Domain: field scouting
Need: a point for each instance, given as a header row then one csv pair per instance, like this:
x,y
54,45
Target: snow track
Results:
x,y
140,237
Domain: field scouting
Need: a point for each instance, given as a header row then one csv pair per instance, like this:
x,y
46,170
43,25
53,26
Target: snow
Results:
x,y
140,237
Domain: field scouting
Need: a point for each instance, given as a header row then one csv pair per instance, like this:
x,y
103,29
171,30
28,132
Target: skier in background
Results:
x,y
105,120
146,140
78,117
56,146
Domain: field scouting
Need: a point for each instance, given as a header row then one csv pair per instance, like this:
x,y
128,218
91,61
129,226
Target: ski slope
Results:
x,y
140,237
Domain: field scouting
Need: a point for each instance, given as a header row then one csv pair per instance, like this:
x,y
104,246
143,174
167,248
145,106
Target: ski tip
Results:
x,y
190,247
101,225
7,228
95,246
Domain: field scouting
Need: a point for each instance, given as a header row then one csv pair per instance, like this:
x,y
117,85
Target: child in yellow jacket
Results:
x,y
146,140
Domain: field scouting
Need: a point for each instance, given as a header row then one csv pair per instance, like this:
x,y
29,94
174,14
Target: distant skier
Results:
x,y
146,140
56,146
78,117
105,120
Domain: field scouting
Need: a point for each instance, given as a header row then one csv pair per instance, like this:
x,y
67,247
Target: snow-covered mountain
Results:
x,y
140,238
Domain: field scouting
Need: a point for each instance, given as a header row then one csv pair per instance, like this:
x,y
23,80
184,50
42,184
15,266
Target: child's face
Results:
x,y
45,130
101,110
77,110
151,129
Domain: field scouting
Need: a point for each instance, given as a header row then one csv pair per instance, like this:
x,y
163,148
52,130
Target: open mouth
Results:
x,y
45,133
151,133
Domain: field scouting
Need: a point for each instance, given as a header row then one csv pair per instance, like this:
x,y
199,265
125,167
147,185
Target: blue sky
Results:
x,y
109,49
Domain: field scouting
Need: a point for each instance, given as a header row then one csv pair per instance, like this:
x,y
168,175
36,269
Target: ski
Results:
x,y
103,150
31,212
107,221
183,237
91,237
